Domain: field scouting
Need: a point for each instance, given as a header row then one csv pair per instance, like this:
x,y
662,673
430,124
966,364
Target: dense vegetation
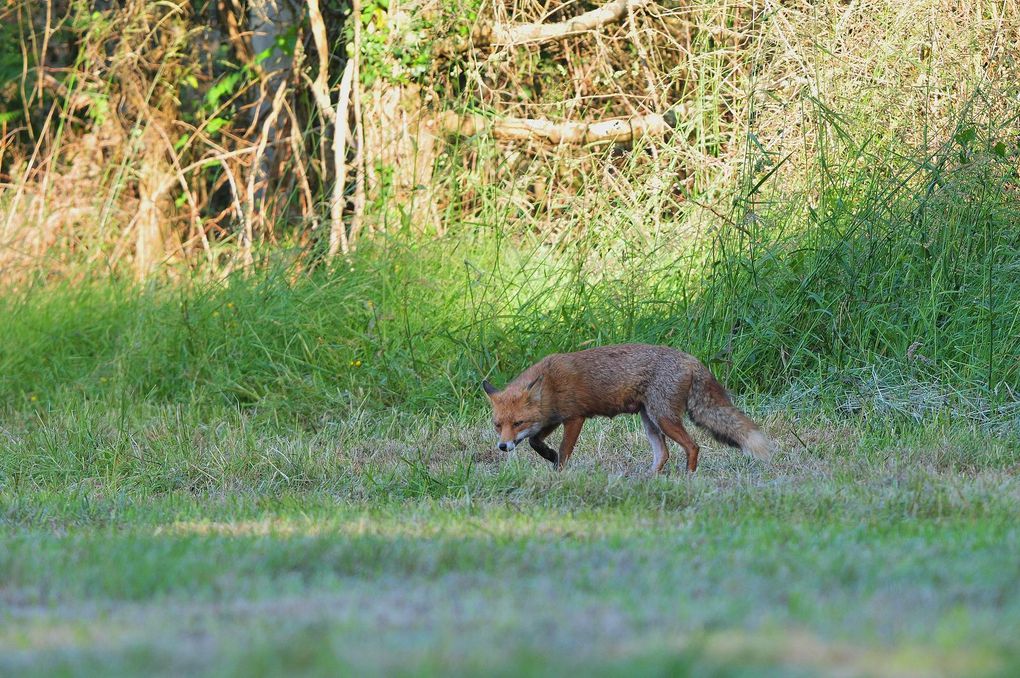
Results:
x,y
241,428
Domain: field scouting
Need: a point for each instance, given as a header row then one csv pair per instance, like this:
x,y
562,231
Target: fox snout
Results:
x,y
517,439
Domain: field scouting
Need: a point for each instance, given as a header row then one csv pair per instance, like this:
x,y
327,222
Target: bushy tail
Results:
x,y
711,408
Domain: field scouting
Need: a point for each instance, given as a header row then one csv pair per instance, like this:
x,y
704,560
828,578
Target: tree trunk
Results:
x,y
268,21
154,174
400,137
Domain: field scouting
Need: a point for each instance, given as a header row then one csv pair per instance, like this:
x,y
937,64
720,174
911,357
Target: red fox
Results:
x,y
657,382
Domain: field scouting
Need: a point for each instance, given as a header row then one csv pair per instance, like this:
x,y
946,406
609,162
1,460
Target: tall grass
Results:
x,y
900,268
853,262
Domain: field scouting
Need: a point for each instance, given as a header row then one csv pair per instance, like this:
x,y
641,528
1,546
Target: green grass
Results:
x,y
290,470
236,547
888,283
471,586
293,473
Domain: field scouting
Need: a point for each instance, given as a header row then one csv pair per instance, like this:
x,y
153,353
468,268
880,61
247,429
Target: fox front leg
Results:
x,y
537,443
571,429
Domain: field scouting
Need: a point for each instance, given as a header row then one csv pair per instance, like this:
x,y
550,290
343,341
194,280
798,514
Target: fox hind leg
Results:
x,y
678,433
660,453
538,444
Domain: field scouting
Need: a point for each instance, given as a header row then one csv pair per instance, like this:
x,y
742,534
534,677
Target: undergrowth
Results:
x,y
897,289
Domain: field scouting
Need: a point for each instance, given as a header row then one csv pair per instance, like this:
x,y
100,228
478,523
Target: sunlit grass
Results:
x,y
804,568
288,469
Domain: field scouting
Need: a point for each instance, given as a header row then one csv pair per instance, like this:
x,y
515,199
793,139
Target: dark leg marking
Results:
x,y
537,443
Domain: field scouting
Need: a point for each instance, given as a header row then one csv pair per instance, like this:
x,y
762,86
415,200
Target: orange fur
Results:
x,y
658,382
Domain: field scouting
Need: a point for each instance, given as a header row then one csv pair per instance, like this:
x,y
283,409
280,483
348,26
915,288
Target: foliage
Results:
x,y
246,458
396,52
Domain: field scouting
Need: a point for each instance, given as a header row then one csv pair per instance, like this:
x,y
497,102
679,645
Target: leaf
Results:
x,y
965,136
765,177
287,41
215,124
225,85
264,54
999,149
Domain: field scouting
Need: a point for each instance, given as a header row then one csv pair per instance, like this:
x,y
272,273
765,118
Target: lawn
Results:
x,y
162,545
229,448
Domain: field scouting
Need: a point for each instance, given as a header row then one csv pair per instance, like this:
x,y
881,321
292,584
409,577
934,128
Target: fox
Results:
x,y
659,383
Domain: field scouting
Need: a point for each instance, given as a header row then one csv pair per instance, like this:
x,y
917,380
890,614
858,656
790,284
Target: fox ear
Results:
x,y
535,388
489,388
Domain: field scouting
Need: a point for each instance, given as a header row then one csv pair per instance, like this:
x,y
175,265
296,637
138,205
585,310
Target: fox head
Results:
x,y
516,412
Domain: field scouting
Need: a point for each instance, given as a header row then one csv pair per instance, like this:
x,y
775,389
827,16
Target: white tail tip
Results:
x,y
758,445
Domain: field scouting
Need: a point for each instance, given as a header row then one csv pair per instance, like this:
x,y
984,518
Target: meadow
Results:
x,y
271,473
242,429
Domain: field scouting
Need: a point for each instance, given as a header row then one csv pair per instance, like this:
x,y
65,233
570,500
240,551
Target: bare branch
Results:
x,y
360,159
320,86
511,35
337,231
613,130
247,233
297,150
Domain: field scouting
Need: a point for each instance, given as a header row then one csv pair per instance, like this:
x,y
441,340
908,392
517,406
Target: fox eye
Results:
x,y
518,423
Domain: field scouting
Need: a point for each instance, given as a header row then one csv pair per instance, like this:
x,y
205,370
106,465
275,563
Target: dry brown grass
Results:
x,y
96,174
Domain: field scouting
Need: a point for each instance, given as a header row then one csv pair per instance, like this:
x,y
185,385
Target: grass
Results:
x,y
887,282
840,556
162,542
289,471
281,472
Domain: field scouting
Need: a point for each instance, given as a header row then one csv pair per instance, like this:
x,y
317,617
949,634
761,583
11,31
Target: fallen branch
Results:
x,y
613,130
500,34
